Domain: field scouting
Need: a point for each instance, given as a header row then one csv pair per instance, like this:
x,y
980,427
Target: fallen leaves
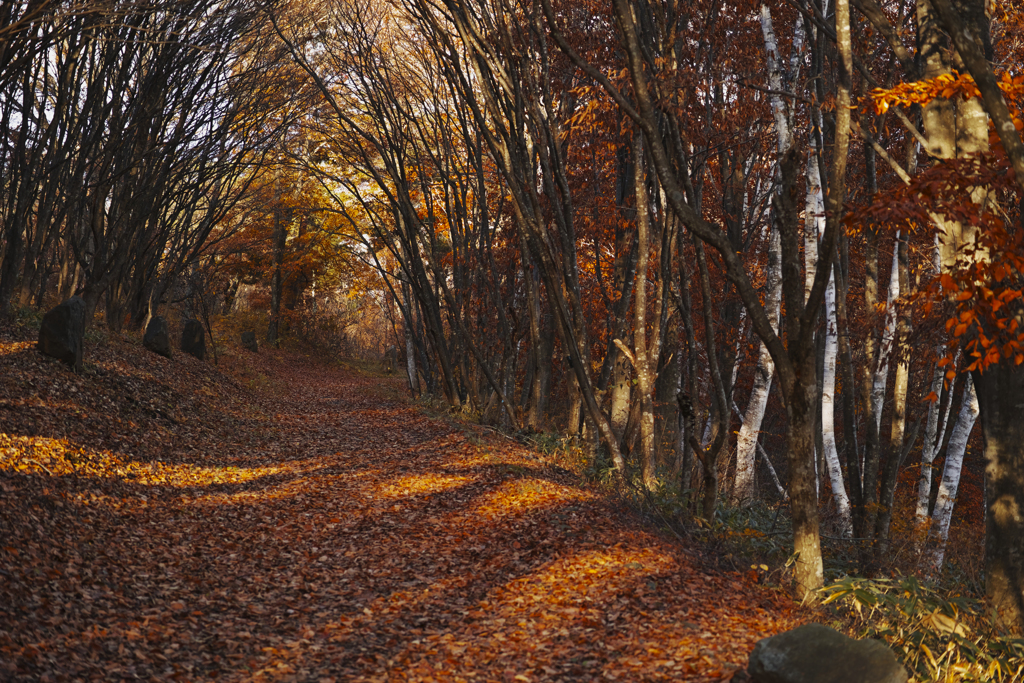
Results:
x,y
317,530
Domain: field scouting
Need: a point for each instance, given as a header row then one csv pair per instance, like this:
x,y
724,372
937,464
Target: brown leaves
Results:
x,y
323,532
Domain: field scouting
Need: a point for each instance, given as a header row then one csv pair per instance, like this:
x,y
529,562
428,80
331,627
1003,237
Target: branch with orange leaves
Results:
x,y
955,84
981,297
945,86
1007,126
986,289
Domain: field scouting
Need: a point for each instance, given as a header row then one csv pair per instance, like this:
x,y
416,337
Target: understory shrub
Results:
x,y
939,635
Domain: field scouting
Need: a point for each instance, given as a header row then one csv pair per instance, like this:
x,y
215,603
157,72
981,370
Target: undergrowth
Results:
x,y
937,634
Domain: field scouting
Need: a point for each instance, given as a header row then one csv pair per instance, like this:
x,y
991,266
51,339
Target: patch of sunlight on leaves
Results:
x,y
56,457
597,565
418,484
61,457
515,496
8,348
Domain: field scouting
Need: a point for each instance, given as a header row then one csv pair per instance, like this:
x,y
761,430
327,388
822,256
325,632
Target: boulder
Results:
x,y
193,339
62,332
158,337
814,653
249,341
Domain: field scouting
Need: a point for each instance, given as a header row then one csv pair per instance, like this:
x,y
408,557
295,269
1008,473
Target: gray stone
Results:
x,y
249,341
193,339
62,332
814,653
158,337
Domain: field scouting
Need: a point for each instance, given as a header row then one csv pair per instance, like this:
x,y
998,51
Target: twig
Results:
x,y
39,465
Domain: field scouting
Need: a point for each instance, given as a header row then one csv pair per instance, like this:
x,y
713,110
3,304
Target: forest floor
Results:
x,y
274,518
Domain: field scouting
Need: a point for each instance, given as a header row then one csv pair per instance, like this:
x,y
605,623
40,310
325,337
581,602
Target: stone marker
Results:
x,y
814,653
193,339
249,341
157,338
62,332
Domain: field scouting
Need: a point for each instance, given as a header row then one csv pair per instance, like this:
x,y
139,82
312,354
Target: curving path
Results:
x,y
316,528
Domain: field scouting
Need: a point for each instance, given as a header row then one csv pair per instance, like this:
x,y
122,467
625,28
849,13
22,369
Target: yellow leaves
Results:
x,y
420,484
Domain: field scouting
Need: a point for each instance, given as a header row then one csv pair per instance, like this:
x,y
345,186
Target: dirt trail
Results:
x,y
315,530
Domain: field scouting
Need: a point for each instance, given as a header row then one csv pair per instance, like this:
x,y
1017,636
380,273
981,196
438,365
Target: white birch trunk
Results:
x,y
928,448
747,440
828,392
888,339
780,109
750,430
935,426
814,218
815,226
943,513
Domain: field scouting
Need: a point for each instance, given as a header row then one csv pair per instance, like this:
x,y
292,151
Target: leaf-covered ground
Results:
x,y
292,521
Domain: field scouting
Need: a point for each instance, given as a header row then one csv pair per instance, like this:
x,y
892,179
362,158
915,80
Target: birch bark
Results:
x,y
888,340
939,533
815,217
928,449
746,441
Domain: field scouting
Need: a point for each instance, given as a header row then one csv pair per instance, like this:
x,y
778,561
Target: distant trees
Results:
x,y
630,222
554,174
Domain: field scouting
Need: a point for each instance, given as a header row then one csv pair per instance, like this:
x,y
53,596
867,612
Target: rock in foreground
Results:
x,y
814,653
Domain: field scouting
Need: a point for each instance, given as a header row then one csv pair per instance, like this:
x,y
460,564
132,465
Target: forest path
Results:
x,y
317,530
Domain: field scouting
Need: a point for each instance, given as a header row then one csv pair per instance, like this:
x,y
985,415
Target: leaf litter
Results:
x,y
277,519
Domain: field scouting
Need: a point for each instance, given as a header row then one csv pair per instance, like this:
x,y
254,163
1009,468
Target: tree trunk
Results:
x,y
939,532
280,238
888,341
747,439
619,412
929,449
809,569
744,490
890,473
816,218
645,381
540,349
1000,391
